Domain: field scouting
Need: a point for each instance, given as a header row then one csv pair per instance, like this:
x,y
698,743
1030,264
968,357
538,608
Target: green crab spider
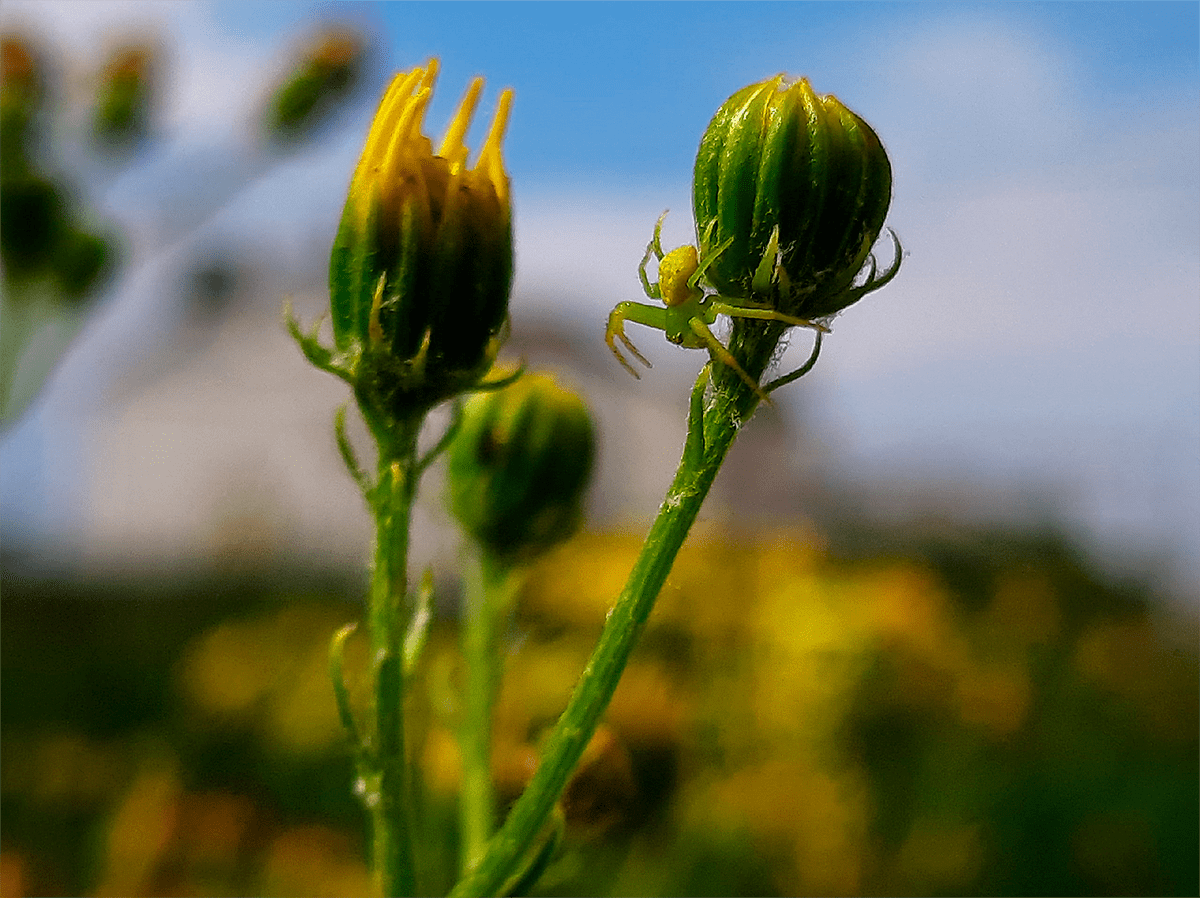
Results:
x,y
687,311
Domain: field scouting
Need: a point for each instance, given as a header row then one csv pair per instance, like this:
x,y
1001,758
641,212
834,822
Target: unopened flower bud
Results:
x,y
422,265
519,466
123,97
22,75
790,193
22,91
324,75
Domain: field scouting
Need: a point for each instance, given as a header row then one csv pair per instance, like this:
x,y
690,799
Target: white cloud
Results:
x,y
1045,327
973,96
1052,281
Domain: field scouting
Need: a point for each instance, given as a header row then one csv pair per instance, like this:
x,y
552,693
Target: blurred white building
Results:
x,y
220,449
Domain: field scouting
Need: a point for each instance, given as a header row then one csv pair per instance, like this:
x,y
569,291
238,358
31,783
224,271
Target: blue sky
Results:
x,y
1046,328
616,90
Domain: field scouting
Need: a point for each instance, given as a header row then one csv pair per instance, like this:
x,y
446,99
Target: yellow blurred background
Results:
x,y
983,716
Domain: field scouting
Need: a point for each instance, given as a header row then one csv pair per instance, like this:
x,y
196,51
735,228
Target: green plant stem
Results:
x,y
387,788
713,422
489,589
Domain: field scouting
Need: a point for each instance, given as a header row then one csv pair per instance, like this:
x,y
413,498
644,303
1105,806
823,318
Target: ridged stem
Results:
x,y
719,406
488,593
387,793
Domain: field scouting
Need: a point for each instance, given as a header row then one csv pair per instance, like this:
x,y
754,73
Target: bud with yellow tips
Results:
x,y
422,263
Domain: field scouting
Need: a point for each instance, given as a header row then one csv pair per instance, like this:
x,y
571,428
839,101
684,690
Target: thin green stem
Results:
x,y
488,595
387,788
38,327
714,420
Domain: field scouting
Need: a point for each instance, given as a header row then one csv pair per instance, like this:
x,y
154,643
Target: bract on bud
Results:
x,y
519,466
422,265
790,193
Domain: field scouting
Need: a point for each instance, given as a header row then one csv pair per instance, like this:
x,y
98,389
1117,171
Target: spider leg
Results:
x,y
656,240
640,314
719,352
765,314
654,247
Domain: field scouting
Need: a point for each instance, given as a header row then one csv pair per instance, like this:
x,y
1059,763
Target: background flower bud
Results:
x,y
22,91
46,237
422,263
778,156
124,95
519,466
327,71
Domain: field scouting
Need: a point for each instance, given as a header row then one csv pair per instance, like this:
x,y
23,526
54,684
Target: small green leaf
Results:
x,y
337,652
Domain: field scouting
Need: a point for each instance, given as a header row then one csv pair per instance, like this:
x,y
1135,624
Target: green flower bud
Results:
x,y
790,193
519,465
422,265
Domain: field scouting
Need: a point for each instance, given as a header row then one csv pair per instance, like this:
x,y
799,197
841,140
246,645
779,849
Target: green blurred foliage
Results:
x,y
969,716
55,256
57,249
41,235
